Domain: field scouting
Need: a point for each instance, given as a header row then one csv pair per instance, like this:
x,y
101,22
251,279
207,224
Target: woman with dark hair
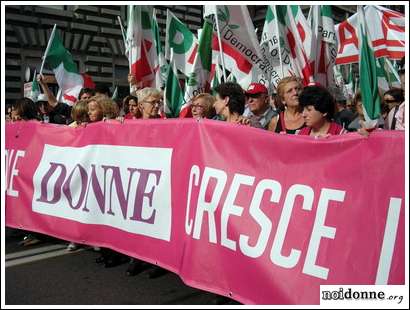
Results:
x,y
318,112
230,102
24,109
392,98
134,112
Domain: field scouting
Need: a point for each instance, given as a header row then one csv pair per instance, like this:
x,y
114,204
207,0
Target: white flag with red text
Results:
x,y
386,32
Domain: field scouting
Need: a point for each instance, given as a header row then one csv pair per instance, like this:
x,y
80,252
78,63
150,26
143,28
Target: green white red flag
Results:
x,y
160,64
35,88
240,46
199,78
69,80
368,74
140,48
173,94
298,39
387,76
183,43
272,43
350,87
324,48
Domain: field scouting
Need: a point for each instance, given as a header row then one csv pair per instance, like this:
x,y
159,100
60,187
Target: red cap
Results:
x,y
256,88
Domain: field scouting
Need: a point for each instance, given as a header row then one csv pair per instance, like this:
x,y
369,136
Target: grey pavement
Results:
x,y
47,274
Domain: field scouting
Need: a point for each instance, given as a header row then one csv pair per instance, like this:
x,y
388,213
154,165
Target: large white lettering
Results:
x,y
203,206
12,158
230,207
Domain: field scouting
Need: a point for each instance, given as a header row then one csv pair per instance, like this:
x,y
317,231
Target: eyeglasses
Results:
x,y
197,106
154,102
390,100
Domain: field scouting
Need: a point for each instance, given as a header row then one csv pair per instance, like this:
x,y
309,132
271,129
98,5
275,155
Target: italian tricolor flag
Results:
x,y
324,44
368,75
182,41
199,79
35,88
140,48
173,95
65,70
294,28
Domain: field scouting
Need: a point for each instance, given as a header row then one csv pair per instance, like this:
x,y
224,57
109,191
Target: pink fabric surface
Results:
x,y
261,217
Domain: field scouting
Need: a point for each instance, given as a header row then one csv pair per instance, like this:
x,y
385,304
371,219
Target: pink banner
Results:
x,y
260,217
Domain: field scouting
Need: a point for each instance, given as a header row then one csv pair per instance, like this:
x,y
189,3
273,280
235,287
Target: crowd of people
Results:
x,y
293,110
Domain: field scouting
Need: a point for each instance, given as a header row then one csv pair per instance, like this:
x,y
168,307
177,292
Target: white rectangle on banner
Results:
x,y
125,187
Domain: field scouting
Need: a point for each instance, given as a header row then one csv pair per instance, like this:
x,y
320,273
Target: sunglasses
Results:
x,y
390,100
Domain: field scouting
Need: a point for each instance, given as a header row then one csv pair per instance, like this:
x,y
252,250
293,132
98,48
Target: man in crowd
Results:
x,y
260,111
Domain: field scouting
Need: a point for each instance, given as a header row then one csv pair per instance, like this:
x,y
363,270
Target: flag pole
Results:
x,y
48,48
220,43
122,32
125,41
279,50
129,43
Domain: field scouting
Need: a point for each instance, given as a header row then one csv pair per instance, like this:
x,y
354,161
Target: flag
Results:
x,y
298,39
216,74
387,76
140,48
161,65
324,47
387,34
240,46
271,44
216,80
183,43
368,74
35,88
350,85
115,94
69,80
199,78
231,78
173,95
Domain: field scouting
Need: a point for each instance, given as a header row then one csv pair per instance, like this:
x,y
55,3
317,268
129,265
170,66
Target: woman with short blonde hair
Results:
x,y
202,106
79,113
149,102
101,107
